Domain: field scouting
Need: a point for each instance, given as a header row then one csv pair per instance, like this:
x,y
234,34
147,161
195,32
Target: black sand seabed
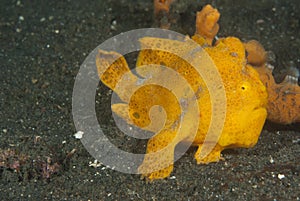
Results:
x,y
43,44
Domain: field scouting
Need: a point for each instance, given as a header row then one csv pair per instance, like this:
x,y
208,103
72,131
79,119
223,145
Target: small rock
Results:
x,y
271,159
79,134
260,21
280,176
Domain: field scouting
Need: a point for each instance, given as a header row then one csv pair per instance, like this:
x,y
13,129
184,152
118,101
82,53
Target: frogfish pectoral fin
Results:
x,y
113,70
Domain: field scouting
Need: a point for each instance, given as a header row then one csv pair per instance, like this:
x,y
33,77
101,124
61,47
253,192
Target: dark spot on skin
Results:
x,y
162,63
136,115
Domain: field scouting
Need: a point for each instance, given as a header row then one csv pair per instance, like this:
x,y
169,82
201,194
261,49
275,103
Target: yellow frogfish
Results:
x,y
246,96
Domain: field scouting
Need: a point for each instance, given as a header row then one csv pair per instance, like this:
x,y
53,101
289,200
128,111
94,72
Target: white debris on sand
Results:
x,y
79,134
95,164
280,176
